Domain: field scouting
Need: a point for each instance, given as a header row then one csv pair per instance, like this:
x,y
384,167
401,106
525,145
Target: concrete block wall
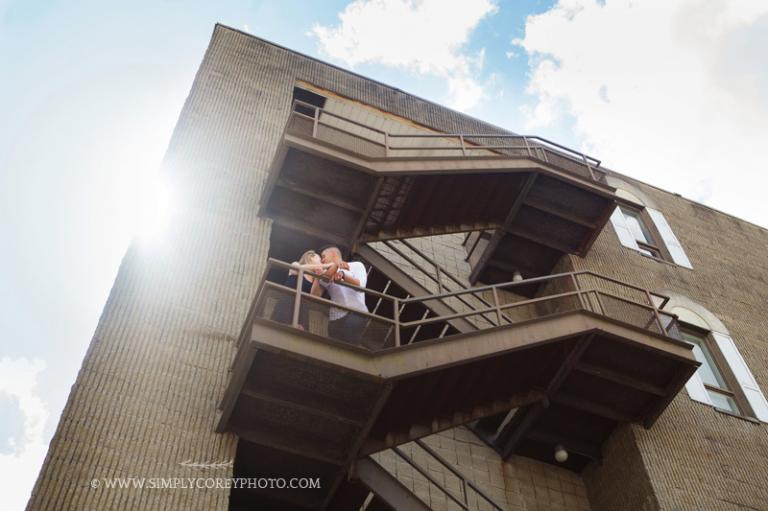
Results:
x,y
145,398
146,395
518,485
695,457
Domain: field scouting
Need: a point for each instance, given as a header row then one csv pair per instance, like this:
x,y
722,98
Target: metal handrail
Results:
x,y
320,299
438,269
580,291
466,483
531,144
534,280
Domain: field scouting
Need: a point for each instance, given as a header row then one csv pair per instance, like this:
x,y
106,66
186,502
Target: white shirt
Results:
x,y
347,296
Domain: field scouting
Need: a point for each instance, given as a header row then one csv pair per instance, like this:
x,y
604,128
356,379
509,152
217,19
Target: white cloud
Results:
x,y
19,468
674,92
425,37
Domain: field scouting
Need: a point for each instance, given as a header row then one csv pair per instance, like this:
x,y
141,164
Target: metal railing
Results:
x,y
438,277
557,294
375,143
465,485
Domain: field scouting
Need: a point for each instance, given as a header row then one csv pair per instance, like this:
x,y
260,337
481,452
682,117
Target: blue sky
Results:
x,y
669,92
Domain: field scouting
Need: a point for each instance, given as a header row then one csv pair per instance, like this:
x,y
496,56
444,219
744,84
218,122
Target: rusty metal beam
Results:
x,y
386,391
509,438
672,390
519,426
584,248
493,243
620,378
459,418
547,241
410,286
386,486
584,405
375,192
276,442
568,364
559,213
432,165
324,197
322,234
460,348
300,407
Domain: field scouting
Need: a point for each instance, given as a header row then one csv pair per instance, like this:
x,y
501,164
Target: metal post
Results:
x,y
463,146
297,298
589,167
527,146
655,311
474,245
418,328
439,281
578,292
315,122
497,305
600,303
386,144
396,313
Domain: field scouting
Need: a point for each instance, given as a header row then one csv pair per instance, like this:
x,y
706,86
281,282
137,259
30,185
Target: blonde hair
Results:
x,y
304,259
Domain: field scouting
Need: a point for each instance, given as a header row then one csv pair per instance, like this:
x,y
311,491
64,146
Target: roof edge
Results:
x,y
219,26
368,78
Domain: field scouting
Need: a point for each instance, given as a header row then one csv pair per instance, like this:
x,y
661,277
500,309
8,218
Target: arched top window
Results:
x,y
723,380
643,228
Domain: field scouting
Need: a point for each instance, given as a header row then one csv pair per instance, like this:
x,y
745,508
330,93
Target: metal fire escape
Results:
x,y
514,360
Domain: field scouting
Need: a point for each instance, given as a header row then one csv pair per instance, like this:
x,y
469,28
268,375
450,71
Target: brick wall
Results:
x,y
520,485
694,457
146,395
145,398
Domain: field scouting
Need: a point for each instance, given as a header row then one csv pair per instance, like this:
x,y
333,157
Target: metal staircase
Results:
x,y
589,351
337,179
374,484
514,359
404,265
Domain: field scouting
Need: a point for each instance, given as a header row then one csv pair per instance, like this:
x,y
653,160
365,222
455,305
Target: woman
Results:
x,y
313,266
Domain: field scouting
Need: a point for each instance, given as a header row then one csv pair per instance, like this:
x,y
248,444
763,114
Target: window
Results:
x,y
723,379
643,237
724,392
305,101
644,229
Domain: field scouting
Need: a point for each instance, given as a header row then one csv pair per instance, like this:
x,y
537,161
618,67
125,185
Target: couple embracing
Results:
x,y
326,273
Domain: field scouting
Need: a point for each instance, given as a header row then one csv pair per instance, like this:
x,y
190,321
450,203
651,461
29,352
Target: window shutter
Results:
x,y
744,376
696,390
670,240
622,229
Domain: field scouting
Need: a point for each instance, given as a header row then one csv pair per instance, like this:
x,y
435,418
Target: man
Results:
x,y
345,325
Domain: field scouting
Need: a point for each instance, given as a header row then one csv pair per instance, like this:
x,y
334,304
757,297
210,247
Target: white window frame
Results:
x,y
673,248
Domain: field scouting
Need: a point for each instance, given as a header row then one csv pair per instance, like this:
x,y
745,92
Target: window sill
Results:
x,y
662,261
736,415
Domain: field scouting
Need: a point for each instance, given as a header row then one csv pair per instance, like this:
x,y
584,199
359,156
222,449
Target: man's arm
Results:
x,y
317,288
355,275
348,277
